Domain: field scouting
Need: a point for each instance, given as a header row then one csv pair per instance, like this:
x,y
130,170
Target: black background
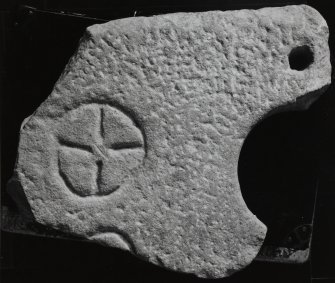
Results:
x,y
283,157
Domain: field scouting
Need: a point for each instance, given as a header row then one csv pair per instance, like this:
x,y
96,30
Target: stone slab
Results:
x,y
137,146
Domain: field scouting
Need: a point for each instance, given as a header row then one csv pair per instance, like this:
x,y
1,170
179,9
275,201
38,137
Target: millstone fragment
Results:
x,y
137,146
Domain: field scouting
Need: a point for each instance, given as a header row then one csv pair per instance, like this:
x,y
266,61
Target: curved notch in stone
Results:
x,y
156,110
113,239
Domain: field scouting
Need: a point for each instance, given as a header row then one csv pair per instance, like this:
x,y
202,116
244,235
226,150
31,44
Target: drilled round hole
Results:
x,y
300,57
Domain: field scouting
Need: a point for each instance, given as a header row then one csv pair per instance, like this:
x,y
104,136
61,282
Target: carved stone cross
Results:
x,y
108,147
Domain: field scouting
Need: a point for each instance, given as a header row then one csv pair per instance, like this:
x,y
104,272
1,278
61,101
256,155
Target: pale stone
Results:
x,y
137,146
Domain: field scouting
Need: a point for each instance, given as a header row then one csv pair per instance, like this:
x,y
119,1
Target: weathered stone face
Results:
x,y
137,146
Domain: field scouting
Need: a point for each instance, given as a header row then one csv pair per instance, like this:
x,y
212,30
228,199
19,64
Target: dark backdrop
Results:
x,y
286,159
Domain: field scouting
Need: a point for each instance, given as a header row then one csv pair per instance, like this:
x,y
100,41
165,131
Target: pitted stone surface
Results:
x,y
137,146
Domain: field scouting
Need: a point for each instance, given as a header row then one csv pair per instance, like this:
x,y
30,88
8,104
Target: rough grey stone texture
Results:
x,y
137,146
